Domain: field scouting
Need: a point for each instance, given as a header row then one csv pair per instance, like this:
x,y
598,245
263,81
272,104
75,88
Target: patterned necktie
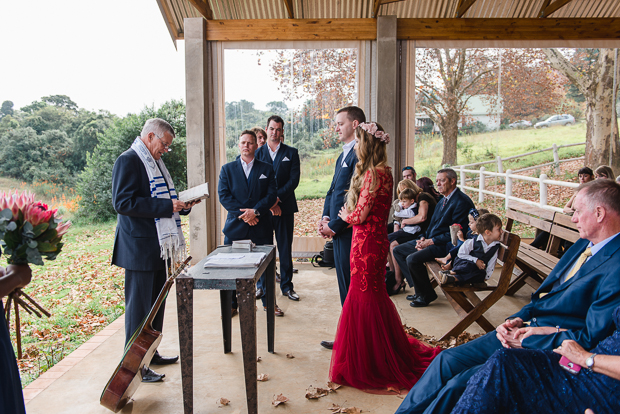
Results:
x,y
445,201
582,259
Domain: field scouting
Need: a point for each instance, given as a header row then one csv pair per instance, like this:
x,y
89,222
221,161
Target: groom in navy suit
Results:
x,y
576,302
286,165
332,226
452,208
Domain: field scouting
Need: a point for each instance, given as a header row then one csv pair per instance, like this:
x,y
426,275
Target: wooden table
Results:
x,y
225,280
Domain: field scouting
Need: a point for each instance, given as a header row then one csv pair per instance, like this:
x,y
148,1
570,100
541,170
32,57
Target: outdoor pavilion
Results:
x,y
382,31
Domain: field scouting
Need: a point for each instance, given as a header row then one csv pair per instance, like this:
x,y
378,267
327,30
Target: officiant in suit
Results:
x,y
286,165
576,301
452,208
247,189
149,226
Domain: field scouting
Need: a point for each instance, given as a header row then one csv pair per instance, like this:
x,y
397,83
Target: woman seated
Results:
x,y
402,185
537,381
585,176
604,172
426,184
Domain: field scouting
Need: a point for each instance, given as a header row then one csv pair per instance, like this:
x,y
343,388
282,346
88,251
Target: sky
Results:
x,y
115,55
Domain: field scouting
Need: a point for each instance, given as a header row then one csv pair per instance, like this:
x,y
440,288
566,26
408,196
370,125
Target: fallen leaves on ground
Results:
x,y
313,393
336,409
263,377
393,389
446,343
279,399
223,401
290,356
333,386
258,359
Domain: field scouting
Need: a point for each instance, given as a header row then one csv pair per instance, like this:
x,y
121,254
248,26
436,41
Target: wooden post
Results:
x,y
463,179
508,186
387,83
556,159
500,167
543,190
481,185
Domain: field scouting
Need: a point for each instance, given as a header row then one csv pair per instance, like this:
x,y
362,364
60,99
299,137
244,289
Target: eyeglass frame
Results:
x,y
166,146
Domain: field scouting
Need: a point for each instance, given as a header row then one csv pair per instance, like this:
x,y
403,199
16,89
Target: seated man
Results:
x,y
578,299
452,208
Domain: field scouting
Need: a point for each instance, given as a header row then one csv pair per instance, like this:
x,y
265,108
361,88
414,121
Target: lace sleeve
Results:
x,y
365,201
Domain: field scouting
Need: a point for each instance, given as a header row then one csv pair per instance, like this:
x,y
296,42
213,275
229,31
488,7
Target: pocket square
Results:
x,y
344,165
262,176
285,159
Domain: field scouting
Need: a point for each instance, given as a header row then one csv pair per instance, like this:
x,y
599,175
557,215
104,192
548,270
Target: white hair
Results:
x,y
157,126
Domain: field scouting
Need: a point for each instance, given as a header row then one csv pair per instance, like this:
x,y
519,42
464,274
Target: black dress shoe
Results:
x,y
419,303
259,293
148,375
161,360
327,344
412,297
292,295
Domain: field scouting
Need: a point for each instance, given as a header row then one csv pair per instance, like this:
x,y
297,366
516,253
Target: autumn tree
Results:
x,y
445,81
592,72
326,76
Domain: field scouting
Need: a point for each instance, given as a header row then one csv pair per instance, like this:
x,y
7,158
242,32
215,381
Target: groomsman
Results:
x,y
247,189
285,162
332,226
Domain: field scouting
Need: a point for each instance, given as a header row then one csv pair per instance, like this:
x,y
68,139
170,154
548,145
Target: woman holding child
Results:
x,y
371,349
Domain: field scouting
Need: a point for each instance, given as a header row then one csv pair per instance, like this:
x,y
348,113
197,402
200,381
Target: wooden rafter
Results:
x,y
203,7
548,8
464,5
379,3
289,8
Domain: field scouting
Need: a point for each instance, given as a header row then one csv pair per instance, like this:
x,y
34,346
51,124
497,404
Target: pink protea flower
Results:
x,y
63,228
16,202
35,214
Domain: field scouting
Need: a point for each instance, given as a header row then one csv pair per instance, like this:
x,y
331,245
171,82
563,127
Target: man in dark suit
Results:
x,y
452,208
332,226
576,302
137,246
285,162
247,189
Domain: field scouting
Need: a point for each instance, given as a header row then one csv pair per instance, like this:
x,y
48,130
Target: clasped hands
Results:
x,y
248,216
512,332
423,243
181,205
324,230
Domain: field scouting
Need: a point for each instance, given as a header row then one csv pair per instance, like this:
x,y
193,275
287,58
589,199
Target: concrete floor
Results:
x,y
299,332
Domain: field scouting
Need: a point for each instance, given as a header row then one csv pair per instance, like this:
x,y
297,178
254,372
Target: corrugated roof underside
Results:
x,y
343,9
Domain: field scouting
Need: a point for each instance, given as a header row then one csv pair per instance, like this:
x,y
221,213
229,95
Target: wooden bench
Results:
x,y
534,265
464,299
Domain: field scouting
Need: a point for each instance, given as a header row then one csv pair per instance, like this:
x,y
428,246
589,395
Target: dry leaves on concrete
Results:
x,y
333,386
222,402
446,343
314,393
336,409
263,377
393,389
279,399
290,356
258,359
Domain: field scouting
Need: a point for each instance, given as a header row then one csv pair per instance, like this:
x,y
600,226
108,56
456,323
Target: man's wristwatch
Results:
x,y
256,213
590,362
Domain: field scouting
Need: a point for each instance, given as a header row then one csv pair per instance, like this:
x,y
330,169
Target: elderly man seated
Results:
x,y
575,302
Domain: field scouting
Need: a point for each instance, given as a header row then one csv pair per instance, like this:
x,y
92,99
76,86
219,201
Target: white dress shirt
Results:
x,y
273,153
247,167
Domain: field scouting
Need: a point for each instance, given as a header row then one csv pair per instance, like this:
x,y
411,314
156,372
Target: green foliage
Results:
x,y
6,109
95,182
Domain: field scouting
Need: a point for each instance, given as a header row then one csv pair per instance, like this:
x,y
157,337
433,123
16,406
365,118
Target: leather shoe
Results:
x,y
148,375
259,293
413,297
292,295
278,311
420,302
295,270
161,360
327,344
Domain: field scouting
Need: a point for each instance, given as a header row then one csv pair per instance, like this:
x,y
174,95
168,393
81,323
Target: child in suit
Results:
x,y
408,209
446,262
476,258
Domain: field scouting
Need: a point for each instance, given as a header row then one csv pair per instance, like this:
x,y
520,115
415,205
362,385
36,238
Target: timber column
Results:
x,y
201,154
387,85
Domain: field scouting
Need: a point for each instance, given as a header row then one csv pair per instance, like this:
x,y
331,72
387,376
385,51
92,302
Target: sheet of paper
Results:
x,y
235,260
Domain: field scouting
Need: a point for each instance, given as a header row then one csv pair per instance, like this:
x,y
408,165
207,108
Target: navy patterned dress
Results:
x,y
531,381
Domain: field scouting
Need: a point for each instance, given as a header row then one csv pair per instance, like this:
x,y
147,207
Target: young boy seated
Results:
x,y
476,259
446,262
408,209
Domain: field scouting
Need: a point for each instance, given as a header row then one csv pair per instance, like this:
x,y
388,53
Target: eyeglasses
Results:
x,y
166,146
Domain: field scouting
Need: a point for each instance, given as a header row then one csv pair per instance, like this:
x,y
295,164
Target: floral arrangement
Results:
x,y
29,230
457,225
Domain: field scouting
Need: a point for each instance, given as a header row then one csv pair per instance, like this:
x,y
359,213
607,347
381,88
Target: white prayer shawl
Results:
x,y
171,240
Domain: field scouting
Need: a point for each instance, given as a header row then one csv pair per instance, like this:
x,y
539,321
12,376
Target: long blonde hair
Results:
x,y
371,154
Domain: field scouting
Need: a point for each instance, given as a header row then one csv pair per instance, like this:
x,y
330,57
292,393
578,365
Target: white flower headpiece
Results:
x,y
371,128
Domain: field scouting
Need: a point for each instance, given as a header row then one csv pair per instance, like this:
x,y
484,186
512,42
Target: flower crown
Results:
x,y
371,128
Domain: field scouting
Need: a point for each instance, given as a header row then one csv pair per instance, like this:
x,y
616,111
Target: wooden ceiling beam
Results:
x,y
203,7
379,3
547,9
289,8
464,5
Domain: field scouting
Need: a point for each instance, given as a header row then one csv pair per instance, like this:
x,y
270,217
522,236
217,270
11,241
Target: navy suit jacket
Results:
x,y
337,193
287,168
136,245
584,304
456,210
258,193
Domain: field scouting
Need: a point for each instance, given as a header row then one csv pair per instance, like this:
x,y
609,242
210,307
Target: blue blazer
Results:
x,y
584,305
287,168
337,193
258,193
136,245
456,210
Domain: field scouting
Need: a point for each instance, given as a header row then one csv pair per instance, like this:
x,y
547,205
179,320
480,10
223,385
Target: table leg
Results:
x,y
185,312
226,305
271,304
247,319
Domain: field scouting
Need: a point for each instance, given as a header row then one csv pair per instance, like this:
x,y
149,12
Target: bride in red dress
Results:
x,y
371,349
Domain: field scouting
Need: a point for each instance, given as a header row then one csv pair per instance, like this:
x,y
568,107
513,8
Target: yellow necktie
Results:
x,y
580,261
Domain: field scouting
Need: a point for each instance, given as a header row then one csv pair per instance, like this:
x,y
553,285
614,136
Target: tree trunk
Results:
x,y
449,131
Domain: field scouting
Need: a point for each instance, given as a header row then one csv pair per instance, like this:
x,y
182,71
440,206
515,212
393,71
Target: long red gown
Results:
x,y
371,349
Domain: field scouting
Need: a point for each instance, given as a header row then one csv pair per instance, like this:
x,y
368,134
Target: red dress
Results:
x,y
371,349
